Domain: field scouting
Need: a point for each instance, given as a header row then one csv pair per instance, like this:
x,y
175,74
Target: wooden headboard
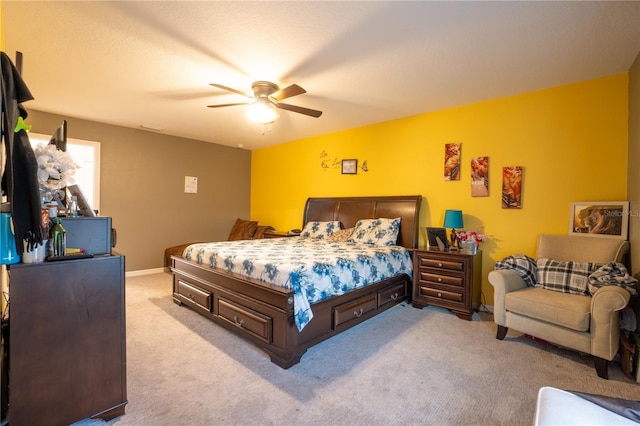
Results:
x,y
348,210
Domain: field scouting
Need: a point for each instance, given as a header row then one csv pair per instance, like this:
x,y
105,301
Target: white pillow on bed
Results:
x,y
320,230
378,232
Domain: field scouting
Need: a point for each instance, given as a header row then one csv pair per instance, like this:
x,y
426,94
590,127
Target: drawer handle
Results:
x,y
439,279
439,265
394,296
359,313
191,296
439,294
238,321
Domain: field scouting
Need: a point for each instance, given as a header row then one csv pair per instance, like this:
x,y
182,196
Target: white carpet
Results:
x,y
406,366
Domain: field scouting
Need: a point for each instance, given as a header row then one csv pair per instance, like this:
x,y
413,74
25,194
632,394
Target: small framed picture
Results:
x,y
437,239
349,167
600,219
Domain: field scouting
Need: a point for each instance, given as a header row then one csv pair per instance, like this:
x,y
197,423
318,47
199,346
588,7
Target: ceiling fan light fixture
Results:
x,y
262,111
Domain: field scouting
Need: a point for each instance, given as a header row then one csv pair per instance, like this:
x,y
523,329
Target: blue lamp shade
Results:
x,y
453,219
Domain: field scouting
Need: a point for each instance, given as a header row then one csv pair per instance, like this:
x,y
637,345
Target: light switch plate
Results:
x,y
190,185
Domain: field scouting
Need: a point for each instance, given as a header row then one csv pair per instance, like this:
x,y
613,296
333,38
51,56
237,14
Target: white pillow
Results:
x,y
320,230
378,232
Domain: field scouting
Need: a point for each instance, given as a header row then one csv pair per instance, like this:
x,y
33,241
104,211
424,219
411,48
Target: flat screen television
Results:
x,y
59,137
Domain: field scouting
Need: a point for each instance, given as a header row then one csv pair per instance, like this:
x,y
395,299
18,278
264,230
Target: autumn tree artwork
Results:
x,y
512,187
452,152
480,177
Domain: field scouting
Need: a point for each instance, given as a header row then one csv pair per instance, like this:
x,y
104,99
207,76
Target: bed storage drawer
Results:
x,y
190,293
391,295
252,322
353,310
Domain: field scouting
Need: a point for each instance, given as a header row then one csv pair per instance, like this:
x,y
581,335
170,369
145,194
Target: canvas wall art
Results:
x,y
480,177
452,153
512,187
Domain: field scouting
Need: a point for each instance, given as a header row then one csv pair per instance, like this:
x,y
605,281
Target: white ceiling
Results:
x,y
136,62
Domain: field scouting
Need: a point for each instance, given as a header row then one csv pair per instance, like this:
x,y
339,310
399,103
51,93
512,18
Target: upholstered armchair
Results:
x,y
586,323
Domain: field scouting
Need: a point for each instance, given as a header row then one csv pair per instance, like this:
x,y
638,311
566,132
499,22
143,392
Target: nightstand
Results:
x,y
447,279
277,234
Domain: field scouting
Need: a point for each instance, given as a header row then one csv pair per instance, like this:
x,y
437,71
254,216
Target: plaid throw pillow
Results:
x,y
565,277
522,264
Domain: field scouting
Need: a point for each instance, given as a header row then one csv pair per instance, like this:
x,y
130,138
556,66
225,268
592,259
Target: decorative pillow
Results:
x,y
320,230
524,265
243,230
379,232
341,235
565,277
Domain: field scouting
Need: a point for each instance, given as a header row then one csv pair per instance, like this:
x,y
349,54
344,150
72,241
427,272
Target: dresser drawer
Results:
x,y
448,264
252,322
190,293
353,310
429,277
441,294
392,294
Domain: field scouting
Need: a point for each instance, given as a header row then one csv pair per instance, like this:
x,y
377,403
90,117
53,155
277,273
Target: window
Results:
x,y
87,155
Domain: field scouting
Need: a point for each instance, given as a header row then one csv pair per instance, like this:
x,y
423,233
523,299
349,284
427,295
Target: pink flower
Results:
x,y
471,236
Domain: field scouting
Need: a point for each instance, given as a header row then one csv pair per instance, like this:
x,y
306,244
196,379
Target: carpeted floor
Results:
x,y
406,366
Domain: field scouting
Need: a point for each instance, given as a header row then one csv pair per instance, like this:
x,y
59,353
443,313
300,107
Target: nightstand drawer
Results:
x,y
451,265
428,277
440,294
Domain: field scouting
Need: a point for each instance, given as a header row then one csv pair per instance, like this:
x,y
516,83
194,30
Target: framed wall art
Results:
x,y
512,187
452,152
480,177
349,167
609,219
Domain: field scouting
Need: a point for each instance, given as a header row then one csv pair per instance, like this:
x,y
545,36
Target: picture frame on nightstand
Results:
x,y
437,239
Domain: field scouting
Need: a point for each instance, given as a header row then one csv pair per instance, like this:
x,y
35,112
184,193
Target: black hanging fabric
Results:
x,y
20,172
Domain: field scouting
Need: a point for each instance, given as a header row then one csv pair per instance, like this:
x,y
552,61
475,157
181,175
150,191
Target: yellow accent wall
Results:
x,y
571,141
1,28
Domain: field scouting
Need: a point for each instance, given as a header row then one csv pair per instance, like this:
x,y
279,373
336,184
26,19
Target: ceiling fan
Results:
x,y
266,97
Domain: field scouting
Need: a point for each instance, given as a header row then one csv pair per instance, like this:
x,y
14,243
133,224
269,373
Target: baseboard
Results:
x,y
145,272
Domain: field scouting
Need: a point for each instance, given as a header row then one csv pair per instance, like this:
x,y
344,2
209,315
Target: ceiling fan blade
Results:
x,y
287,92
227,105
229,89
302,110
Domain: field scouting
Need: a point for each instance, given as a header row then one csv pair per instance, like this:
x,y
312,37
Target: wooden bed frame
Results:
x,y
263,313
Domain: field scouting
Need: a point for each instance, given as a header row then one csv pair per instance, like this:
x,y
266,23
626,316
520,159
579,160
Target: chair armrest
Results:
x,y
605,328
503,281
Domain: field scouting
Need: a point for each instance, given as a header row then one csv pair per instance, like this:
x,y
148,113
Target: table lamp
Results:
x,y
453,220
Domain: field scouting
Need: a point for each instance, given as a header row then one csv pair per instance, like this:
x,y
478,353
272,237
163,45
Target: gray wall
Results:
x,y
142,186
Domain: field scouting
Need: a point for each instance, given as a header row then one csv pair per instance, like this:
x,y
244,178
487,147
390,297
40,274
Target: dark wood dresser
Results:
x,y
67,341
447,279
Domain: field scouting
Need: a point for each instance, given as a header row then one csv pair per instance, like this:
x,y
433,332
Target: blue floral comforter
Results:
x,y
314,269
